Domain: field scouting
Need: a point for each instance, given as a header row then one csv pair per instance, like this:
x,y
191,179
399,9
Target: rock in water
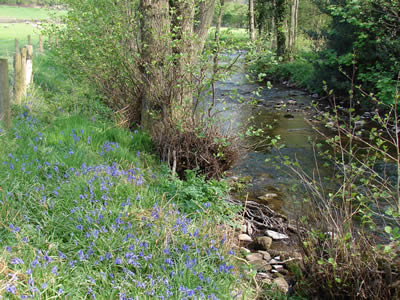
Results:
x,y
288,116
276,235
268,196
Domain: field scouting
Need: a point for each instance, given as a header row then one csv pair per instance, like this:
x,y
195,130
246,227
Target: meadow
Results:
x,y
27,13
11,31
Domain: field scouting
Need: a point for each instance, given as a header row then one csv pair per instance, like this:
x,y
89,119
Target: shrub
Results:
x,y
199,146
347,253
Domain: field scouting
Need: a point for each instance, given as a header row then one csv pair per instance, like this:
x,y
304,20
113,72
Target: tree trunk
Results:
x,y
272,30
216,55
172,37
294,8
155,47
280,9
251,20
183,21
203,22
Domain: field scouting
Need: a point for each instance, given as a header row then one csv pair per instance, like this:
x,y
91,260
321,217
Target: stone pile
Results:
x,y
270,264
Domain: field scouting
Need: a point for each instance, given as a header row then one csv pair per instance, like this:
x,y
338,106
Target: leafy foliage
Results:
x,y
363,33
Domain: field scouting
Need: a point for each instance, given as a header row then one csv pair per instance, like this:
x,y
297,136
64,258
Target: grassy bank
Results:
x,y
88,211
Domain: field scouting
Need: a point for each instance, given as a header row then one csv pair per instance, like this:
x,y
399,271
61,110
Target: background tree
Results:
x,y
294,10
280,16
251,20
364,33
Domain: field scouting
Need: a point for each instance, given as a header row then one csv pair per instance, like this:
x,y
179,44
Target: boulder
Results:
x,y
245,179
261,265
276,235
278,267
282,284
254,256
263,242
245,251
274,261
245,238
268,196
262,275
266,255
284,255
250,230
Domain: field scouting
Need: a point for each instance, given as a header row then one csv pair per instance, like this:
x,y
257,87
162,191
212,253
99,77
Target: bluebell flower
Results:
x,y
11,289
54,270
118,261
17,261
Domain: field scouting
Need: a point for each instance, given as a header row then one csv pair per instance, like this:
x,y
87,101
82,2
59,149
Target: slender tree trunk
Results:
x,y
216,55
294,8
272,30
280,8
251,20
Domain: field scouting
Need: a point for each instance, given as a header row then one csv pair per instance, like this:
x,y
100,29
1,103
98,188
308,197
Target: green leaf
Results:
x,y
388,229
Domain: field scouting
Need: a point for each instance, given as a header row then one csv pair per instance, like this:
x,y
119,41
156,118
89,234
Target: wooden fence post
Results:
x,y
23,70
18,78
29,39
41,43
29,65
4,94
15,67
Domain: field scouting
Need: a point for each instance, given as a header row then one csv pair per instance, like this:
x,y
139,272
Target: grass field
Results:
x,y
20,31
27,13
11,31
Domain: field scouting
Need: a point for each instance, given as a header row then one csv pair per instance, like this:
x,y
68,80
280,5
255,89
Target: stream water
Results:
x,y
278,111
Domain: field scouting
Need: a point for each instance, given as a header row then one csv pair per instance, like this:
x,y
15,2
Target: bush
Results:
x,y
352,235
299,72
199,146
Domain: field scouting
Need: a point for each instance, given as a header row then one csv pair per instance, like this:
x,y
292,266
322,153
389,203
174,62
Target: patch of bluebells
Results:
x,y
103,234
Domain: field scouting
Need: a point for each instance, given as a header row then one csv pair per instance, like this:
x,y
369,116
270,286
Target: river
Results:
x,y
278,111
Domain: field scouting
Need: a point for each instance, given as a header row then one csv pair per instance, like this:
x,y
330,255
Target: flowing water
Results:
x,y
279,111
